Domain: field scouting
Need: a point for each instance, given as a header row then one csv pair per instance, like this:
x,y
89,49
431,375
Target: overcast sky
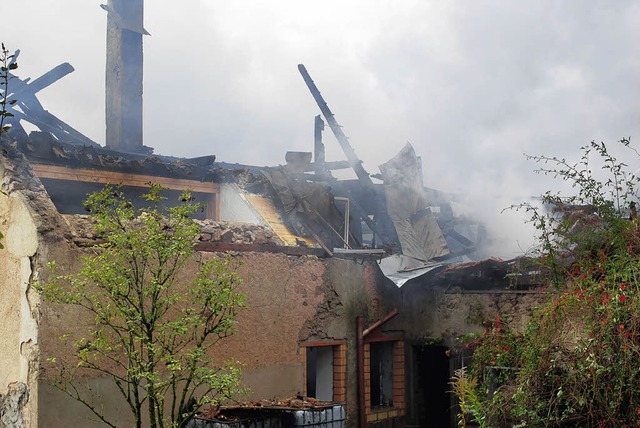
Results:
x,y
471,84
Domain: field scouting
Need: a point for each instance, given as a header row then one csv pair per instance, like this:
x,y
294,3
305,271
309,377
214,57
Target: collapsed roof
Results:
x,y
412,227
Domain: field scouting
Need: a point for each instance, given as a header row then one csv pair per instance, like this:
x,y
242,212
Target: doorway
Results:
x,y
432,400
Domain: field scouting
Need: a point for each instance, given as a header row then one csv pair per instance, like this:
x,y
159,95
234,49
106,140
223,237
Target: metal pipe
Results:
x,y
377,324
346,219
362,417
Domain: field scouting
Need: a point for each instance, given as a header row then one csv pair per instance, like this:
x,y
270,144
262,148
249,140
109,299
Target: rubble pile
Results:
x,y
83,233
237,411
295,402
237,233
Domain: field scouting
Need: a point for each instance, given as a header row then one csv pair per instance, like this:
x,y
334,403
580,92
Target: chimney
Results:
x,y
124,75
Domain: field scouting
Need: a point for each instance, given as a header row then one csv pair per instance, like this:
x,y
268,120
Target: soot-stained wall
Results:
x,y
290,301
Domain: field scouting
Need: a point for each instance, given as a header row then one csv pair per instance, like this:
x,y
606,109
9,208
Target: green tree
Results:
x,y
155,324
578,361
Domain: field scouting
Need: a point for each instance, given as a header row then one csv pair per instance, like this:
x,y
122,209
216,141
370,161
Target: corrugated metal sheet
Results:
x,y
264,206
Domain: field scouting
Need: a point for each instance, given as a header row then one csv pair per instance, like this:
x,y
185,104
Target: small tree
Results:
x,y
155,325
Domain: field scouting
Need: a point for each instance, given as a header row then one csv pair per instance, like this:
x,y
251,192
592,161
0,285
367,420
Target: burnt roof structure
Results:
x,y
397,218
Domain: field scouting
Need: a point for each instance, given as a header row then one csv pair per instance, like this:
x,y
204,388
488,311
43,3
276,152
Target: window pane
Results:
x,y
381,374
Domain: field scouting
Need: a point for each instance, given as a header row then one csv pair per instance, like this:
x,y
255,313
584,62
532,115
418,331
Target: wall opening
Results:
x,y
326,371
381,361
432,400
320,372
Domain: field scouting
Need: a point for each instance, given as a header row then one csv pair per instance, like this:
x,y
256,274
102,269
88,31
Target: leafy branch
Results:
x,y
159,309
7,64
576,362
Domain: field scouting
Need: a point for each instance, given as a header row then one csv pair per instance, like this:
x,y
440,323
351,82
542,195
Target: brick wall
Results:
x,y
398,377
340,373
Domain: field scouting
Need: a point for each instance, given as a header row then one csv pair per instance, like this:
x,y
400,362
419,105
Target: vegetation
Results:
x,y
466,389
156,320
7,64
578,361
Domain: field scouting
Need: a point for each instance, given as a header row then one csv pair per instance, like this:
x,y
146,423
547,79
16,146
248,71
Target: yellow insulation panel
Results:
x,y
264,206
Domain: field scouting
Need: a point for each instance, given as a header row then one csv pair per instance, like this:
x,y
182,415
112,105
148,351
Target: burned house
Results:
x,y
322,287
356,289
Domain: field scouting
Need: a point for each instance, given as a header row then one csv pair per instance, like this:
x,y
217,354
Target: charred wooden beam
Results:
x,y
201,161
328,166
373,225
112,177
318,146
32,111
262,248
354,161
47,79
38,116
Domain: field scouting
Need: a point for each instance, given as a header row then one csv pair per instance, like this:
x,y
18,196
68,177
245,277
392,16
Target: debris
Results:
x,y
418,231
297,402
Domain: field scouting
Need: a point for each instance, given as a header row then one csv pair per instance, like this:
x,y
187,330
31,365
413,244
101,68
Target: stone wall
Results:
x,y
467,298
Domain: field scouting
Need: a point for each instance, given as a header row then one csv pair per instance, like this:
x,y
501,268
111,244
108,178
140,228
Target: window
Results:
x,y
326,368
384,378
381,374
320,372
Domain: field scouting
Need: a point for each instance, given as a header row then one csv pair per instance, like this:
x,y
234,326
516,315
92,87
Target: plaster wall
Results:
x,y
235,207
18,305
289,301
351,288
435,319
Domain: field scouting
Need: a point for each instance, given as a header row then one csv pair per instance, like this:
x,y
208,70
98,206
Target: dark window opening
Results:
x,y
320,372
381,358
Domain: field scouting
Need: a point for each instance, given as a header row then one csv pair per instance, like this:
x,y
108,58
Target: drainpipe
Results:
x,y
361,404
361,332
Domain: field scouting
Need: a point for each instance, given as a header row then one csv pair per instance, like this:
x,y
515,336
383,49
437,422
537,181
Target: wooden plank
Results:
x,y
47,79
327,343
218,246
57,172
111,177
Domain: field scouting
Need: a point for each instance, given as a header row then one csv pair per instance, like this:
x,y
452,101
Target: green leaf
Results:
x,y
157,306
